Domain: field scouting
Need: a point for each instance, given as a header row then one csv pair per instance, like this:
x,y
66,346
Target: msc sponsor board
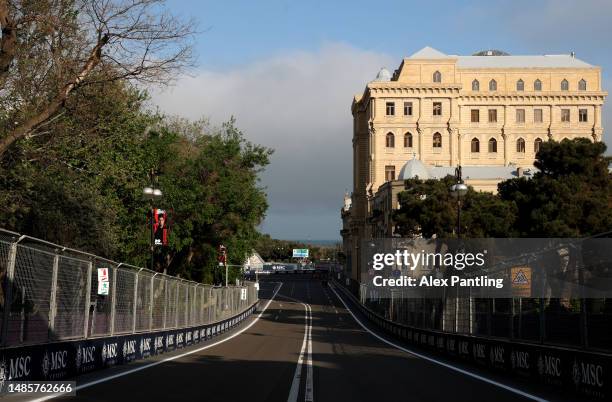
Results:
x,y
588,374
55,361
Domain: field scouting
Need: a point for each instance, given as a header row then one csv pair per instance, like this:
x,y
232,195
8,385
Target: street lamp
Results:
x,y
458,191
152,194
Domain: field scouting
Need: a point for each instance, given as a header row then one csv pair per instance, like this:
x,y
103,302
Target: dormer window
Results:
x,y
520,85
437,77
475,85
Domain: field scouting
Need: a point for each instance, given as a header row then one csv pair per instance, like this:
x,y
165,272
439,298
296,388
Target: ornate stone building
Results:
x,y
488,113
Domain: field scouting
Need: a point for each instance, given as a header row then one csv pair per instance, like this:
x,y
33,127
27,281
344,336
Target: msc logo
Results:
x,y
145,346
464,348
159,342
170,340
450,344
479,351
129,347
109,351
54,361
587,374
549,366
84,355
497,354
519,359
179,338
18,367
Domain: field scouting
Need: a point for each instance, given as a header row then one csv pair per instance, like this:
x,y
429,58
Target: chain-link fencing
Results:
x,y
50,293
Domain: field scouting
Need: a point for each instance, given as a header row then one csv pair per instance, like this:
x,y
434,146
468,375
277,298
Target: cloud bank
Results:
x,y
298,104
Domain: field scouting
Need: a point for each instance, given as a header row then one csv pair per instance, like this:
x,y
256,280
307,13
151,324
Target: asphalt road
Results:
x,y
339,361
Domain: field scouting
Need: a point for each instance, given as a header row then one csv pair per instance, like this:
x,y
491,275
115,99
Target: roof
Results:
x,y
480,172
529,61
414,168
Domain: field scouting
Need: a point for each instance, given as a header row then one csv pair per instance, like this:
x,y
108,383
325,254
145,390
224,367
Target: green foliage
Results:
x,y
80,184
570,196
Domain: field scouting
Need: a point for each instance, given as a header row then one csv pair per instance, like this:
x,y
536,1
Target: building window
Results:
x,y
437,109
407,108
437,140
475,85
537,116
390,108
475,145
390,140
564,85
389,173
520,115
475,115
492,115
492,145
583,115
536,145
492,85
582,85
565,115
407,140
537,85
520,146
437,77
520,85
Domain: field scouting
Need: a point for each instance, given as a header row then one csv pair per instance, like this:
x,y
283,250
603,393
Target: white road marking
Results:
x,y
305,350
134,370
424,357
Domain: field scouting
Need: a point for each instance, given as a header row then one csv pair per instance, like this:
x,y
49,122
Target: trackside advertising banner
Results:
x,y
588,374
61,360
487,268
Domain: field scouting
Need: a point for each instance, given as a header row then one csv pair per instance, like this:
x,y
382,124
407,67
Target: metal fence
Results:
x,y
50,293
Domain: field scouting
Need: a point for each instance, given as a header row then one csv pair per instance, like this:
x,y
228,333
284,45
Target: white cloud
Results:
x,y
299,105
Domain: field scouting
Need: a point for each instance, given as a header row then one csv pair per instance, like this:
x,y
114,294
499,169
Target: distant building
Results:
x,y
254,262
488,113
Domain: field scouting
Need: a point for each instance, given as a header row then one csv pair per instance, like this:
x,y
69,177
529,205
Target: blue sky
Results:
x,y
276,64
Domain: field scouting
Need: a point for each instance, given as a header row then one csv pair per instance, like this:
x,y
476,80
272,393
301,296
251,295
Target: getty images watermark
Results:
x,y
487,268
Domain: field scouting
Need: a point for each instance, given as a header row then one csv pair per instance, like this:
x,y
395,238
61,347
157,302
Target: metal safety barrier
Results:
x,y
49,293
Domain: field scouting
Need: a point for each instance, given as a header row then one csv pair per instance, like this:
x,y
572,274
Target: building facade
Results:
x,y
488,113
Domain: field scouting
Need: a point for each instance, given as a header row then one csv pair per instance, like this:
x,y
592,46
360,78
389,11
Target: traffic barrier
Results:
x,y
61,360
587,373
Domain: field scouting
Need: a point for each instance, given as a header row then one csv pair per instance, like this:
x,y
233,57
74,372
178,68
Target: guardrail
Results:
x,y
586,373
50,294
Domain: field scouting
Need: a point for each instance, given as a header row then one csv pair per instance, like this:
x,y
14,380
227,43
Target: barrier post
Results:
x,y
114,298
151,301
8,296
53,298
135,300
87,298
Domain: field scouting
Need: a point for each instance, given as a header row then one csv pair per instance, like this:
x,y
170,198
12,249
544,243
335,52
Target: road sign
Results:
x,y
300,253
520,278
103,283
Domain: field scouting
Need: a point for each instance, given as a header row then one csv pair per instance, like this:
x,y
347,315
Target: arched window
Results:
x,y
390,140
564,85
492,85
475,145
537,144
492,145
407,140
437,77
537,85
437,140
520,85
582,85
475,85
520,146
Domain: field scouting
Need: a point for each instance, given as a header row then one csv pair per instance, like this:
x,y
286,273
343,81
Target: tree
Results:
x,y
570,196
50,50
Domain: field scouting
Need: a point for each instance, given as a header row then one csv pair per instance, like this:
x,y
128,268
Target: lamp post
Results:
x,y
151,194
458,190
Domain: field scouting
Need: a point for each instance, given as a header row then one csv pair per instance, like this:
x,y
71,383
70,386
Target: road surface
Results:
x,y
306,346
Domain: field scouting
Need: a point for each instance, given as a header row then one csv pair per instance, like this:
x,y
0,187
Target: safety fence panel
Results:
x,y
51,293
